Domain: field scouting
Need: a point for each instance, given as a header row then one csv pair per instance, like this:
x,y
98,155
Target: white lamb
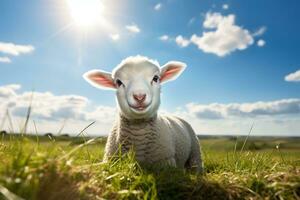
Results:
x,y
154,138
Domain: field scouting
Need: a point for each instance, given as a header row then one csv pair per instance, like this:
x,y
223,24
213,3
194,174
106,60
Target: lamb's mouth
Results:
x,y
140,108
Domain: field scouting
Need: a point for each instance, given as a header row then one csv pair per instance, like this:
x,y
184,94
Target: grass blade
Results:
x,y
81,132
29,110
62,127
8,194
245,141
36,134
10,121
77,148
3,122
81,145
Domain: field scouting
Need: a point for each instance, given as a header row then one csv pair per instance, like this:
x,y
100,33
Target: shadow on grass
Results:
x,y
181,186
56,184
173,183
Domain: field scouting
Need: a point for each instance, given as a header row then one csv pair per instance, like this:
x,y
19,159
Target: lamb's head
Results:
x,y
137,81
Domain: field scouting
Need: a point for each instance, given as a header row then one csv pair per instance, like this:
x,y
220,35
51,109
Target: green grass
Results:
x,y
66,168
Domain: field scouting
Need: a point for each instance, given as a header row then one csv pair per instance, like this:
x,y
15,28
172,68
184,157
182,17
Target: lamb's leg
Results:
x,y
166,163
194,162
171,162
111,147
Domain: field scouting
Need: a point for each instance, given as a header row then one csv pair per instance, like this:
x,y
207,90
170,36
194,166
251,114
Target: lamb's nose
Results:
x,y
139,97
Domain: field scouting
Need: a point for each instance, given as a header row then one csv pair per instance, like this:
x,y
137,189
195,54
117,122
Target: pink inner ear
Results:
x,y
169,73
102,80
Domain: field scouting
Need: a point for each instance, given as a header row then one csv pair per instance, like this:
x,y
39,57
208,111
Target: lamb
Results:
x,y
155,138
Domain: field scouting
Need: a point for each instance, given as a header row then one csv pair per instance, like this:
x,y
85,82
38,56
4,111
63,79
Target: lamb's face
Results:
x,y
137,82
138,89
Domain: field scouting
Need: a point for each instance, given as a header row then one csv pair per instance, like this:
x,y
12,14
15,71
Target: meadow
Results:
x,y
63,167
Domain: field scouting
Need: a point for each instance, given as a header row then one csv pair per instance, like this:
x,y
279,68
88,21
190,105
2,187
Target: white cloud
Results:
x,y
49,108
226,38
225,6
5,60
104,113
164,38
280,117
8,91
115,37
256,109
212,20
181,41
293,77
158,6
260,31
261,43
15,49
133,28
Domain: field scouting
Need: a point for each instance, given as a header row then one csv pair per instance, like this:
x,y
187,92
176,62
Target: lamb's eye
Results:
x,y
119,83
155,78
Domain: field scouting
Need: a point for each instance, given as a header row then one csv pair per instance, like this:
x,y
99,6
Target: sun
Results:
x,y
86,13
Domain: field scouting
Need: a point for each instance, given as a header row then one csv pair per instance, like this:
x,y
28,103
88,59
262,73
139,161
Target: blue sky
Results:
x,y
250,49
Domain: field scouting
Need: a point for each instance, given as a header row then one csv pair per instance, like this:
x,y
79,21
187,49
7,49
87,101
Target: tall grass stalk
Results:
x,y
81,134
85,128
11,126
246,139
36,133
29,110
62,127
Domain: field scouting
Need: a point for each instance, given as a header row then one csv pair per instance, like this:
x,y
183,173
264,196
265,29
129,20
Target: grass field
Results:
x,y
34,167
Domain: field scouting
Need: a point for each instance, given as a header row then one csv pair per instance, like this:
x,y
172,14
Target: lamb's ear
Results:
x,y
171,71
100,79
